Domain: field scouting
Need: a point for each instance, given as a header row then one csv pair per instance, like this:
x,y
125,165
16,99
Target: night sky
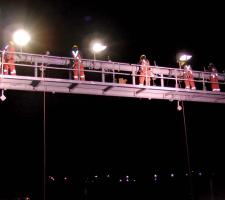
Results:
x,y
91,135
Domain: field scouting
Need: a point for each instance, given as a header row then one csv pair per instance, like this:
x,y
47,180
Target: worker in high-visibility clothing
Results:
x,y
145,71
214,77
188,75
77,64
8,59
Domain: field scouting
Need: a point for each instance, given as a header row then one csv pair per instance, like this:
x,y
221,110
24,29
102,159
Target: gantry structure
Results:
x,y
38,73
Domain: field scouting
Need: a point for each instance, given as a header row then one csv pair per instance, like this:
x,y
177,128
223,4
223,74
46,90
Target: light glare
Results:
x,y
21,37
97,47
185,57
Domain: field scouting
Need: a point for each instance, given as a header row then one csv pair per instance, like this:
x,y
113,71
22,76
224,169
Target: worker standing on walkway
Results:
x,y
214,77
8,59
77,64
145,71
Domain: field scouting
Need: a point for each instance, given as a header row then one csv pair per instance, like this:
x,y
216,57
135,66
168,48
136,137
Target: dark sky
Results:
x,y
159,29
89,134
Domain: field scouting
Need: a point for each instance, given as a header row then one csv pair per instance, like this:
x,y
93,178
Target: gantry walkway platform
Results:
x,y
102,79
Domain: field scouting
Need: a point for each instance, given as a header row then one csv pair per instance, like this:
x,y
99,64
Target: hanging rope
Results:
x,y
44,137
188,154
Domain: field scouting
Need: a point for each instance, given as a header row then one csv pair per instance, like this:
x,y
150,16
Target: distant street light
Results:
x,y
97,47
21,38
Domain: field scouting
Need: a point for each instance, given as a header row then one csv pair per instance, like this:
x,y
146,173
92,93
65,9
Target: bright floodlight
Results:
x,y
21,37
185,57
97,47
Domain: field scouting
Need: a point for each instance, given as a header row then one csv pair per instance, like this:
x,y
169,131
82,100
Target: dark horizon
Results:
x,y
80,145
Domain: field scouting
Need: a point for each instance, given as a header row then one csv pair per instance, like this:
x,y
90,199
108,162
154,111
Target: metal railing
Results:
x,y
47,66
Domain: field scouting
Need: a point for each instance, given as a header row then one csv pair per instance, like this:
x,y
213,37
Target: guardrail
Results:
x,y
38,65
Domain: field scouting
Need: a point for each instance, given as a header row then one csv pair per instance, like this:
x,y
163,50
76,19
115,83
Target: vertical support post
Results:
x,y
103,74
162,80
176,84
133,76
71,68
114,77
36,69
203,82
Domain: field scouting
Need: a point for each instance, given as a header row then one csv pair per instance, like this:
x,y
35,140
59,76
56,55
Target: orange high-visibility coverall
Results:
x,y
144,72
78,66
214,78
188,77
8,56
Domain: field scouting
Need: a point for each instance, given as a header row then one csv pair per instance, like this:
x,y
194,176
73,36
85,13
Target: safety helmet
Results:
x,y
211,64
143,57
75,48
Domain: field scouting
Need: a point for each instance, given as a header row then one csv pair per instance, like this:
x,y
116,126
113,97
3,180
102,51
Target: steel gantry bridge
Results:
x,y
37,72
